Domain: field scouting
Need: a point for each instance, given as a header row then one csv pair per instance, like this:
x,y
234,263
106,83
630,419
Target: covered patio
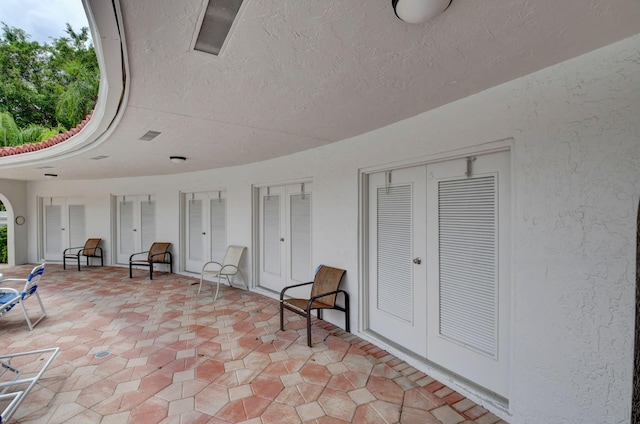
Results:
x,y
135,350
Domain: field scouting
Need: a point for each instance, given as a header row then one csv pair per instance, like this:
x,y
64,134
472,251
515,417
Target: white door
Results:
x,y
397,274
468,269
285,236
439,264
64,226
205,228
135,225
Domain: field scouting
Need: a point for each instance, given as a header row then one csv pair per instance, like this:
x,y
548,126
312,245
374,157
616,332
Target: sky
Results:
x,y
43,19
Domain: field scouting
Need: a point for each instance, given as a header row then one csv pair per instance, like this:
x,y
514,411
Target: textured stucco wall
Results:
x,y
576,180
15,194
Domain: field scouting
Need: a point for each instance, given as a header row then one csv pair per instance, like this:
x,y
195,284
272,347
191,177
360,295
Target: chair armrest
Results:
x,y
211,262
162,254
310,302
94,249
135,254
326,294
290,287
72,248
10,290
5,280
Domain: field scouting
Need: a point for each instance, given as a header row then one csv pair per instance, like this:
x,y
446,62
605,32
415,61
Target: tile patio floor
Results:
x,y
180,358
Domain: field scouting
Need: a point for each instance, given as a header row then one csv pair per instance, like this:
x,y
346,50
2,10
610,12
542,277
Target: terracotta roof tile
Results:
x,y
59,138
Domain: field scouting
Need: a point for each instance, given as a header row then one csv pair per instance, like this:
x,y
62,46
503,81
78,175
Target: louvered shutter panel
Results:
x,y
77,236
218,229
148,223
467,220
394,222
53,224
301,237
271,234
127,244
195,229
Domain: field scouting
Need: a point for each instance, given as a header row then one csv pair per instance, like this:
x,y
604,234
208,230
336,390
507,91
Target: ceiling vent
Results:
x,y
216,25
150,135
99,157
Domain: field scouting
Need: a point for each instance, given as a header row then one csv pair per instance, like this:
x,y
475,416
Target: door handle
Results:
x,y
417,261
281,238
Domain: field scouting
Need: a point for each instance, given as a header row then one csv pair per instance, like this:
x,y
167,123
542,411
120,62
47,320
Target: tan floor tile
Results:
x,y
180,358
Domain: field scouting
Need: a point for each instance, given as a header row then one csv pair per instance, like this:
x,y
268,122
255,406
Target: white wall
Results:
x,y
576,156
14,195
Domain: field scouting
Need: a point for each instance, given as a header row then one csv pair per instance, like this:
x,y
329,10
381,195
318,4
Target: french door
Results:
x,y
284,224
205,228
439,264
63,225
135,225
398,293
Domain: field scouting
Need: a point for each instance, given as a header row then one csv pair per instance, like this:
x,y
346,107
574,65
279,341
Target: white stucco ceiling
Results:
x,y
297,74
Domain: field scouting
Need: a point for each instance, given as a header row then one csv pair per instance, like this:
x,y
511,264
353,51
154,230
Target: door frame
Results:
x,y
467,387
255,227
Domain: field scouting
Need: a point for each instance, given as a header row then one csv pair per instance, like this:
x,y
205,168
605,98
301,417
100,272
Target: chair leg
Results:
x,y
309,328
130,271
151,271
26,316
200,288
101,261
64,262
281,317
346,312
217,289
79,262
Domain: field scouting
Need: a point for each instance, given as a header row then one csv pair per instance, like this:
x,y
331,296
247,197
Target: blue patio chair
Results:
x,y
10,297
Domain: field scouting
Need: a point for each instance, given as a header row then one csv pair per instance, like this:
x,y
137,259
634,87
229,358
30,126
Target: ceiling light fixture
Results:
x,y
177,159
419,11
51,176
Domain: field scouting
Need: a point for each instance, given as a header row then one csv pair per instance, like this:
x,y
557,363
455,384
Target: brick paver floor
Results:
x,y
142,351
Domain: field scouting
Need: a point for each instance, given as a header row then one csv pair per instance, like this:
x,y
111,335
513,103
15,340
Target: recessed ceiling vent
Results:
x,y
216,25
150,135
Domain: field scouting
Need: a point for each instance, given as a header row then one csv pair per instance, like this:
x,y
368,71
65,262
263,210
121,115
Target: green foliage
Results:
x,y
8,129
3,245
45,88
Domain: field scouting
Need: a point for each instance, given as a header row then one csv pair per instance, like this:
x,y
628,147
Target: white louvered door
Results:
x,y
64,226
397,248
205,228
468,270
135,225
285,236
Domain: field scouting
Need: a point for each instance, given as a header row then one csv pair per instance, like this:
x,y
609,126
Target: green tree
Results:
x,y
45,88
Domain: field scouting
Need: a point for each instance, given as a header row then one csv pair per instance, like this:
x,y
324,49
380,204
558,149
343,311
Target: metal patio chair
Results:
x,y
14,386
89,250
10,297
229,267
157,254
324,291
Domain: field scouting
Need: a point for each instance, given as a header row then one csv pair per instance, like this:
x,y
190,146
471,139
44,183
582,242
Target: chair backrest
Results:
x,y
157,252
327,279
89,248
31,285
233,255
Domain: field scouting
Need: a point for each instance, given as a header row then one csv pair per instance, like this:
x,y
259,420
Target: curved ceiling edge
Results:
x,y
105,23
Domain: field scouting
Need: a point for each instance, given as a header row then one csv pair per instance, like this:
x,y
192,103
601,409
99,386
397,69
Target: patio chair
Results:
x,y
157,254
13,386
324,291
229,267
10,297
89,250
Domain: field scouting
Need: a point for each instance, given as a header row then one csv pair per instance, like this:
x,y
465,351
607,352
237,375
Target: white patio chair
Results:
x,y
14,387
10,297
229,267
